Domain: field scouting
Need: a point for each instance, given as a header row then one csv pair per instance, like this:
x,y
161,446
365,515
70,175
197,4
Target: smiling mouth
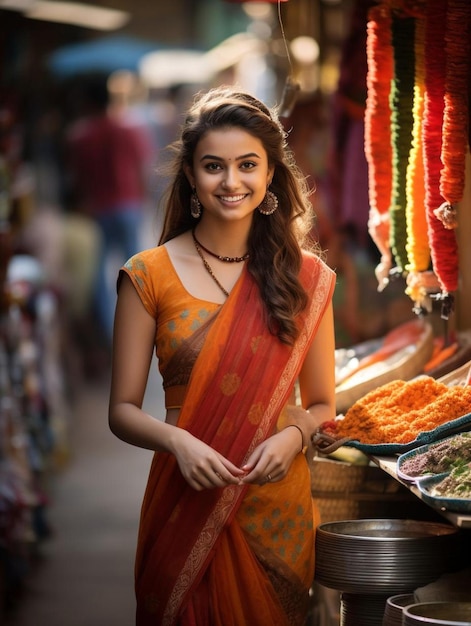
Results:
x,y
233,198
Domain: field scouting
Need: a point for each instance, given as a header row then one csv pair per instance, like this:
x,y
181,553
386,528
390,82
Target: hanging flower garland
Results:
x,y
377,136
455,115
402,94
438,73
429,128
417,246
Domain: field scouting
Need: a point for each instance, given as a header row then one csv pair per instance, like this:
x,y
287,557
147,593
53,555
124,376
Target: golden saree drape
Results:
x,y
201,553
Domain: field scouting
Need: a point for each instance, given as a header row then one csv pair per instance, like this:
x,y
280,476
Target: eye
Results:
x,y
248,165
212,167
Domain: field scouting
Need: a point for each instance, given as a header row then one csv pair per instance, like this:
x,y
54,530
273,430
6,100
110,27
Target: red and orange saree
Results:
x,y
241,554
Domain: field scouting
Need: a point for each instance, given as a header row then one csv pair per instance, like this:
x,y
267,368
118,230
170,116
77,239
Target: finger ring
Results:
x,y
218,475
268,478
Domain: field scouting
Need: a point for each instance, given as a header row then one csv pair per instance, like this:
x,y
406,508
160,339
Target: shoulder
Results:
x,y
311,260
146,260
314,270
151,273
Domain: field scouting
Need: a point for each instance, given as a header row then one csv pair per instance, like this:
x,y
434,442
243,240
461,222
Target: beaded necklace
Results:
x,y
225,259
208,266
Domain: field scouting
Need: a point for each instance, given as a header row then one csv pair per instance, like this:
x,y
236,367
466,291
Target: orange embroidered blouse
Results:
x,y
178,314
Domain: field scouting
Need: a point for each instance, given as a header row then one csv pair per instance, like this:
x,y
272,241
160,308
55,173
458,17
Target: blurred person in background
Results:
x,y
238,312
109,160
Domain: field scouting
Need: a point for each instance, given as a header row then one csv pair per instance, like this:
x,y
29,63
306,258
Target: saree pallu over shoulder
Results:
x,y
240,382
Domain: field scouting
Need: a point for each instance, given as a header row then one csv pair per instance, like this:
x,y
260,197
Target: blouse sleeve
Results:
x,y
141,270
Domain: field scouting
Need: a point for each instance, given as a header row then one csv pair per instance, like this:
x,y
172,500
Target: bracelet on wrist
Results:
x,y
302,434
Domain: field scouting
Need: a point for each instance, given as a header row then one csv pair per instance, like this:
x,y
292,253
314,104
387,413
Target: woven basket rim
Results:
x,y
457,376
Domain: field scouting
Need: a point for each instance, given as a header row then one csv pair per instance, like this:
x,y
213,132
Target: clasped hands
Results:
x,y
205,468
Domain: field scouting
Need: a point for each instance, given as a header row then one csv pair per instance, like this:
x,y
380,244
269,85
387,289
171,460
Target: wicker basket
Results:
x,y
344,491
458,376
336,476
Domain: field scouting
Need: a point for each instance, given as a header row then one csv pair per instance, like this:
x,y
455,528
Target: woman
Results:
x,y
237,313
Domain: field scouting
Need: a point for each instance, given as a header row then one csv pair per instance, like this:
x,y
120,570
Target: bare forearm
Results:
x,y
306,420
138,428
201,466
320,413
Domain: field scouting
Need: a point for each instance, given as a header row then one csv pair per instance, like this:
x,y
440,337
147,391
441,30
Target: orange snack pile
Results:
x,y
398,411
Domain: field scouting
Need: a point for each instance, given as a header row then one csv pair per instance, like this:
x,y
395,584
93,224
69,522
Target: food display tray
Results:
x,y
452,427
416,451
425,487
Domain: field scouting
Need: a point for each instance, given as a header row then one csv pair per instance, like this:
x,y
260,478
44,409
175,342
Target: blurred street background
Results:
x,y
82,574
69,491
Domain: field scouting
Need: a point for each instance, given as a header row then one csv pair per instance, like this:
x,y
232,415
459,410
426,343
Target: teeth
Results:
x,y
232,198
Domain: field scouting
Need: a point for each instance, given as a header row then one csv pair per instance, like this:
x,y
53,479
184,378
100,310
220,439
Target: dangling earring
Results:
x,y
195,205
269,203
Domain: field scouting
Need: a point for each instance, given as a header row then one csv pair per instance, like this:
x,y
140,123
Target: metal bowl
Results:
x,y
394,608
438,614
384,556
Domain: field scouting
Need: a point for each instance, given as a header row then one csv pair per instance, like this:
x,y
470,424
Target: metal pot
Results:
x,y
367,610
438,614
384,556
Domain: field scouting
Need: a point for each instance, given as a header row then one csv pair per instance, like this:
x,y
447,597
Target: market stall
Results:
x,y
417,434
410,390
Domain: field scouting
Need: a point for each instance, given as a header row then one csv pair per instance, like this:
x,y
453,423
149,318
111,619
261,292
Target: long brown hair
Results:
x,y
275,241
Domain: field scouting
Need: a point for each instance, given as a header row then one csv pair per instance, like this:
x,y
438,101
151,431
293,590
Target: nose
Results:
x,y
231,178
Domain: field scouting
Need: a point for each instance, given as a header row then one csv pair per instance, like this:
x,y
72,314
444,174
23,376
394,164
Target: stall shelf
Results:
x,y
389,465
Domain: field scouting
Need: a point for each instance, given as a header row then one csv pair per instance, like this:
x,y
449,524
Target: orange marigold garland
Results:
x,y
377,133
401,106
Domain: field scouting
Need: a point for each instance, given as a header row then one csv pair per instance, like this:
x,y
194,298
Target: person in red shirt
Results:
x,y
109,158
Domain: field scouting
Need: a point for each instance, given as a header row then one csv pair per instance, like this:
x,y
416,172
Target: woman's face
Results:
x,y
230,172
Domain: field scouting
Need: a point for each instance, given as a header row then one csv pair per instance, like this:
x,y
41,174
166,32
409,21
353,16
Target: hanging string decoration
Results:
x,y
402,94
417,246
443,246
430,46
455,115
378,150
